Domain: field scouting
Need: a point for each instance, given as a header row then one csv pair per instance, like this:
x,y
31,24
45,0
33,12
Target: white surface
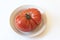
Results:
x,y
7,7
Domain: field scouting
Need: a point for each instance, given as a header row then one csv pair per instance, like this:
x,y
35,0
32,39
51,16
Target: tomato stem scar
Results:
x,y
28,16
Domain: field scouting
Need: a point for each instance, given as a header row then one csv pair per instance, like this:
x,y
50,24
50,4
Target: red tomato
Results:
x,y
28,19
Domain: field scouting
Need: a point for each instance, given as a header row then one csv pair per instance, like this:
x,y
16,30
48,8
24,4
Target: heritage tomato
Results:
x,y
28,19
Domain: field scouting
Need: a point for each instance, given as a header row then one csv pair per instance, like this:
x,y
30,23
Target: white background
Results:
x,y
7,7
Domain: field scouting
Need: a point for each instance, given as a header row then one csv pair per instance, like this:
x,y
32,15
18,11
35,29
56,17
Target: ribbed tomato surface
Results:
x,y
28,19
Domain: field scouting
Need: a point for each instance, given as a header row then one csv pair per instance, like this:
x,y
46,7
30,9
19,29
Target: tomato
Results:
x,y
28,19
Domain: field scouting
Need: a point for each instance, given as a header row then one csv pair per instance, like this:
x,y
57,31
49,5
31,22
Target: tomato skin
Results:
x,y
28,19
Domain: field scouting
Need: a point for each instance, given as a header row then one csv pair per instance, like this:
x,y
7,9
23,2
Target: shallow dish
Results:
x,y
33,33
